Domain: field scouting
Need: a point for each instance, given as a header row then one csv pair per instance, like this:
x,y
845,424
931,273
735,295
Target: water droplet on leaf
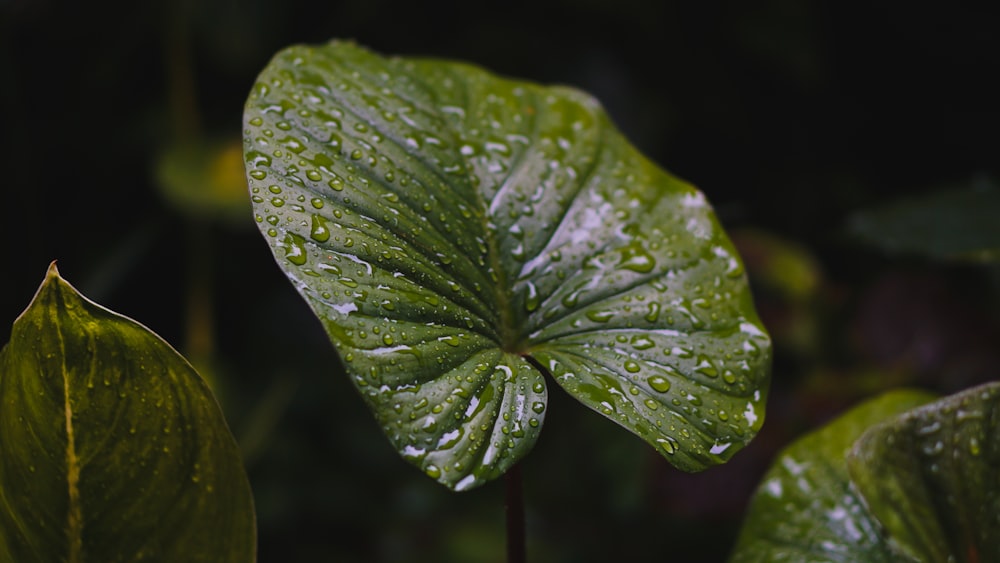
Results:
x,y
600,316
659,383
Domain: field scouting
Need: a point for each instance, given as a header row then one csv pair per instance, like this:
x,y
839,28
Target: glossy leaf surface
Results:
x,y
112,448
806,508
932,477
458,234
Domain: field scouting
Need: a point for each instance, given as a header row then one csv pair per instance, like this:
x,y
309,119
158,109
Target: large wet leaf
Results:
x,y
806,509
112,448
459,234
932,477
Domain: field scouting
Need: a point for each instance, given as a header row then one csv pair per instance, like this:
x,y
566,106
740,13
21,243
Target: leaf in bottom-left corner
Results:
x,y
112,447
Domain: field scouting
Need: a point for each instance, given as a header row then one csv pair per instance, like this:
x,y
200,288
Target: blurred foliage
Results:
x,y
206,181
959,224
789,115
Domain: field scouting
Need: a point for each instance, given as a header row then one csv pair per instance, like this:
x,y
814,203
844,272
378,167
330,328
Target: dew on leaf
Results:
x,y
450,340
653,312
668,444
640,342
295,251
659,383
636,258
531,301
729,377
706,367
570,300
600,316
319,232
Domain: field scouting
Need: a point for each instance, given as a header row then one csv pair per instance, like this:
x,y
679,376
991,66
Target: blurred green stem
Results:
x,y
199,333
514,507
180,74
199,340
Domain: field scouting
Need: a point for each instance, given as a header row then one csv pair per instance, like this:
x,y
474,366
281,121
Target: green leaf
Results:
x,y
459,234
806,508
932,477
895,479
112,448
953,224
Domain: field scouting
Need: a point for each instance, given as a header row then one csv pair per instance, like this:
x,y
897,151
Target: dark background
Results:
x,y
791,115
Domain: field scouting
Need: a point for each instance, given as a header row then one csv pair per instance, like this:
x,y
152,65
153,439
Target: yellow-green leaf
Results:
x,y
112,448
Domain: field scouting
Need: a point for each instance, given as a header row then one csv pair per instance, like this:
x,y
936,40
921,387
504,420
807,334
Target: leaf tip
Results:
x,y
52,279
53,271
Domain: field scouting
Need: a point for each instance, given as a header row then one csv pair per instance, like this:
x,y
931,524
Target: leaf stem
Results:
x,y
199,342
514,509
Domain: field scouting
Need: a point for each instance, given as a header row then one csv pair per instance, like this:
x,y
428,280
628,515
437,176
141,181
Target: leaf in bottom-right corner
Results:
x,y
931,477
806,509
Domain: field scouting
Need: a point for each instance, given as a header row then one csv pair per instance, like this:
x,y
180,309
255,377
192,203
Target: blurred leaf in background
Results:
x,y
961,223
206,181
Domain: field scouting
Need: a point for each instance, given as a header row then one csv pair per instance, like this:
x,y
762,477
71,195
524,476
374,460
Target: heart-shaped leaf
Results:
x,y
459,234
112,448
806,509
932,477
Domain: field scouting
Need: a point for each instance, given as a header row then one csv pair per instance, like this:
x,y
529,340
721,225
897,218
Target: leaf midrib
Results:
x,y
74,513
511,341
419,156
